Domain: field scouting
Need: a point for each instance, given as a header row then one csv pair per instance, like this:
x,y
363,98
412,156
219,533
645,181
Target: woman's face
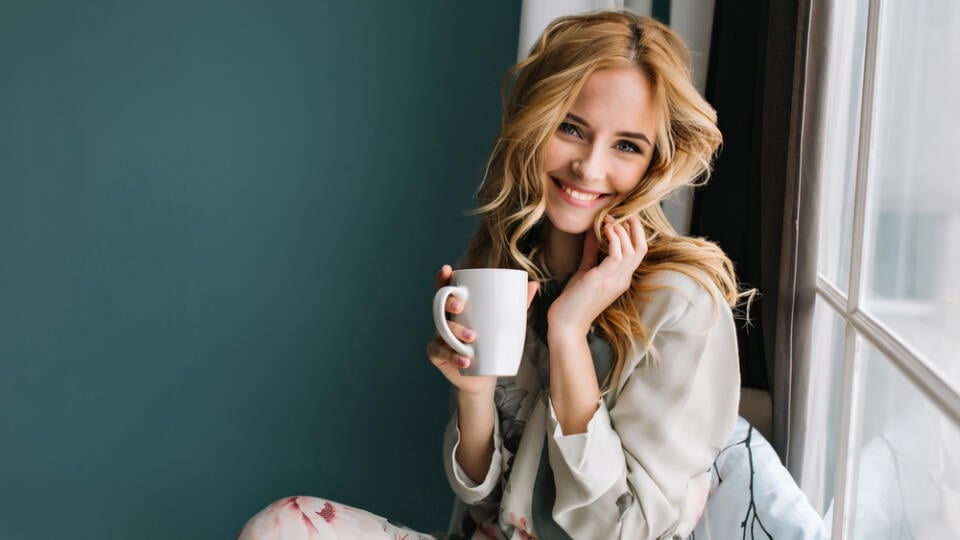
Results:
x,y
601,150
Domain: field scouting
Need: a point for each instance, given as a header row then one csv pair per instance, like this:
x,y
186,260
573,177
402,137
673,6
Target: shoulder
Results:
x,y
671,298
690,341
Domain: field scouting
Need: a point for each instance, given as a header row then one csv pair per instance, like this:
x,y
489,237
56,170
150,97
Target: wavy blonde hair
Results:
x,y
544,88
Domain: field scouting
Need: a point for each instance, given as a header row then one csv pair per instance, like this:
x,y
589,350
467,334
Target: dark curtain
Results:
x,y
753,82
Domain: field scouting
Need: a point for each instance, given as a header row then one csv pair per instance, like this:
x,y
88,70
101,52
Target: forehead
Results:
x,y
619,99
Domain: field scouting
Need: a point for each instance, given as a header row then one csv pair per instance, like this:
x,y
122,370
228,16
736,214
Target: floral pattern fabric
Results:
x,y
641,470
311,518
750,495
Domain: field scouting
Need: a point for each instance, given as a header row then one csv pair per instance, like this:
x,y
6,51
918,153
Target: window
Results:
x,y
884,461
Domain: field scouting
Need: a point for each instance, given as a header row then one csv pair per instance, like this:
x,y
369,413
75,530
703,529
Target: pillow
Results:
x,y
774,507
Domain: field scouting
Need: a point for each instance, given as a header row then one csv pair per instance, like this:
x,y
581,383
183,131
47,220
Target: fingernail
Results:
x,y
468,334
455,304
462,361
608,218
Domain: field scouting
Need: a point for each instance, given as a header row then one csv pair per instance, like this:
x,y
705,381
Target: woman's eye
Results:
x,y
569,129
625,146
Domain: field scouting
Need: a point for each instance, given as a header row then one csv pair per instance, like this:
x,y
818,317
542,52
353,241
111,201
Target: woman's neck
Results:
x,y
563,251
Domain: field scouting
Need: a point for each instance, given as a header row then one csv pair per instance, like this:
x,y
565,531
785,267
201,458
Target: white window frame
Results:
x,y
859,324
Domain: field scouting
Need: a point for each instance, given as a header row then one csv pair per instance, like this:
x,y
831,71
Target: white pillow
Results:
x,y
776,508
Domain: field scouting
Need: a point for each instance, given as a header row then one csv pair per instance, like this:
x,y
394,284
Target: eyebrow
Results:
x,y
628,134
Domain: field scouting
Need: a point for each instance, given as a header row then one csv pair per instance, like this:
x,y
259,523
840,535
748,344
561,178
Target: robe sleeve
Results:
x,y
466,489
642,468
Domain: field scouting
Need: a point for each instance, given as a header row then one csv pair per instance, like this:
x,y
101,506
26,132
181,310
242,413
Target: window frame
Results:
x,y
859,325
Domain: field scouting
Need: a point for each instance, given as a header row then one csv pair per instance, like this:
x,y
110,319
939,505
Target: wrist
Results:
x,y
560,323
560,334
481,397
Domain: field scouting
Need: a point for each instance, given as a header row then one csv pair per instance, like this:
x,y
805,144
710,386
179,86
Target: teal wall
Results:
x,y
219,228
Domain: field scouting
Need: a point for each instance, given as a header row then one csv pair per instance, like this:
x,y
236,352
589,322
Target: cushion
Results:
x,y
773,507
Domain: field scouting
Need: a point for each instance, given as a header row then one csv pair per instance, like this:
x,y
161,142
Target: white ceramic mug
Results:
x,y
495,307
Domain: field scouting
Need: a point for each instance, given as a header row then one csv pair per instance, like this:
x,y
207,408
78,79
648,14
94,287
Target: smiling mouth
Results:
x,y
578,195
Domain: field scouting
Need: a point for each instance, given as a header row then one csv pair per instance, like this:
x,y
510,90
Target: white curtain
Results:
x,y
536,14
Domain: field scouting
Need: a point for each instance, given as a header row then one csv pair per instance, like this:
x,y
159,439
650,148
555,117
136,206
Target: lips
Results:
x,y
578,197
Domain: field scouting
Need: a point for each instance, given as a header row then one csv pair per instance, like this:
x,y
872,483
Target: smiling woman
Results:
x,y
593,160
629,382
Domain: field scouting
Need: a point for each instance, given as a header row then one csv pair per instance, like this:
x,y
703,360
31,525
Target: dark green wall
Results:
x,y
219,228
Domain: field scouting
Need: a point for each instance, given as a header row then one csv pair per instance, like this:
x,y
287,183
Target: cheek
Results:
x,y
629,177
553,155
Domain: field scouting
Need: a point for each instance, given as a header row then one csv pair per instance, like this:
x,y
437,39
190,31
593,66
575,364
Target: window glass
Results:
x,y
824,391
837,146
908,463
913,237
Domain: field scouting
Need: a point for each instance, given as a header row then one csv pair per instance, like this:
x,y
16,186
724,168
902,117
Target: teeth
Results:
x,y
580,196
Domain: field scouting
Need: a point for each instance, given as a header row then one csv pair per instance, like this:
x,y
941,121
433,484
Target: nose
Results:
x,y
590,166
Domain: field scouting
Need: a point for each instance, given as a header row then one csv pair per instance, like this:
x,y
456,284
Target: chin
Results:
x,y
569,224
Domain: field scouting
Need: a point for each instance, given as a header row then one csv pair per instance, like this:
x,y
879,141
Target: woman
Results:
x,y
629,383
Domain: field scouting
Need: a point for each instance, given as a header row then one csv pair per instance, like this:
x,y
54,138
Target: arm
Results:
x,y
476,416
574,388
472,440
466,450
642,467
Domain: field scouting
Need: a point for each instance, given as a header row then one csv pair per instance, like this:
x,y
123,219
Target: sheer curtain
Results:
x,y
536,14
814,338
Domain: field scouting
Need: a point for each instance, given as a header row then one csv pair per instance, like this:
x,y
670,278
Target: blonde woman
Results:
x,y
629,384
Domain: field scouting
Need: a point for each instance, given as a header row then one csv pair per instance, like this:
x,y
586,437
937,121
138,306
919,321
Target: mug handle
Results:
x,y
440,318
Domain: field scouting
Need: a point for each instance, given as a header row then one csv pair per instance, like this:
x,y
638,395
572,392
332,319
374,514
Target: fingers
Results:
x,y
614,248
465,334
626,250
591,251
638,237
626,245
627,239
443,276
441,354
532,287
443,357
454,305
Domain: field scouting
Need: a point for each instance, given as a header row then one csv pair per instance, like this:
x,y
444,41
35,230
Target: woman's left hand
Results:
x,y
595,286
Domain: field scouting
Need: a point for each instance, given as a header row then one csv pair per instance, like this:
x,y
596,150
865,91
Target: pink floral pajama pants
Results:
x,y
311,518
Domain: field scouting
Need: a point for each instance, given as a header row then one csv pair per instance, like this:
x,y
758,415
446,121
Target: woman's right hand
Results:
x,y
449,361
